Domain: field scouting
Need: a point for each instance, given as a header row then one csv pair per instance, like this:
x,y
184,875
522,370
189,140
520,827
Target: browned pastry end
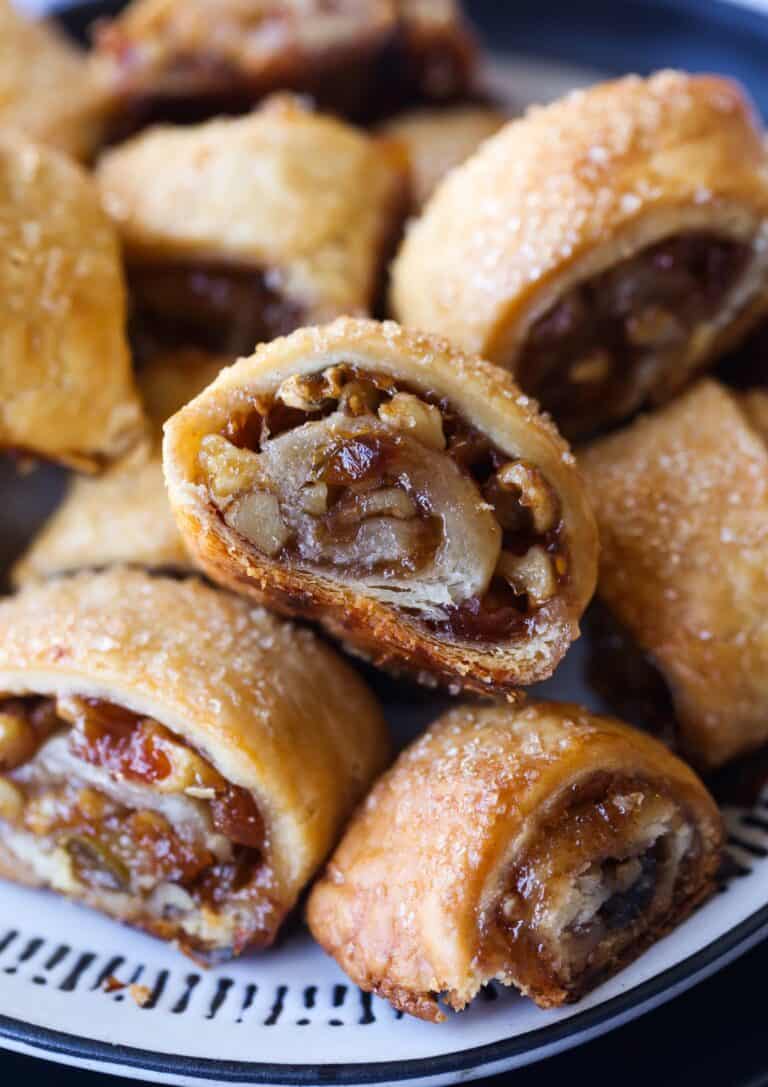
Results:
x,y
362,60
406,496
49,92
437,140
123,515
611,245
66,385
299,216
173,756
681,499
543,846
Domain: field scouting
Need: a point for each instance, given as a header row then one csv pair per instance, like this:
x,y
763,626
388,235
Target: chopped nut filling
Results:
x,y
600,874
394,492
125,806
603,349
223,308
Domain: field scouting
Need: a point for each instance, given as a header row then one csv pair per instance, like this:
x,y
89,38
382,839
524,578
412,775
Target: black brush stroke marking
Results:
x,y
108,971
250,993
52,961
366,1003
754,821
156,992
8,939
308,997
60,953
30,950
339,996
222,990
131,981
182,1003
277,1008
748,847
70,982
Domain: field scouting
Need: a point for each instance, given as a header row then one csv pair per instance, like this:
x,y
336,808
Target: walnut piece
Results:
x,y
257,517
529,575
423,421
229,470
17,740
535,493
308,392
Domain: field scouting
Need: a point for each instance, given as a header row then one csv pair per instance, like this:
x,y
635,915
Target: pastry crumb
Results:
x,y
140,993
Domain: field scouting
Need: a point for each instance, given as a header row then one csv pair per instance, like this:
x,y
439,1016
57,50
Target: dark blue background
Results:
x,y
716,1033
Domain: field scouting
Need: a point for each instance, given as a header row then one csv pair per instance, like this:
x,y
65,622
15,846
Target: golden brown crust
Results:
x,y
438,140
488,400
66,387
410,902
573,188
681,499
357,59
48,91
123,516
308,200
274,710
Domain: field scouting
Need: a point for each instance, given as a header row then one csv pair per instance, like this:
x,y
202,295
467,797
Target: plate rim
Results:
x,y
114,1057
592,1021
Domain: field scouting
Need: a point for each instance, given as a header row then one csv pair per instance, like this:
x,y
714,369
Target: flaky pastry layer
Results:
x,y
542,846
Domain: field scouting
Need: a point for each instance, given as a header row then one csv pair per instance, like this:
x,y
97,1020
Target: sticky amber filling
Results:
x,y
604,871
603,348
110,844
223,308
384,71
394,491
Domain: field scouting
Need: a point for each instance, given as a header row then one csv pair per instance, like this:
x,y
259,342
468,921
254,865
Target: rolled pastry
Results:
x,y
406,496
48,91
172,756
610,246
681,499
123,516
359,58
544,847
437,140
300,211
66,386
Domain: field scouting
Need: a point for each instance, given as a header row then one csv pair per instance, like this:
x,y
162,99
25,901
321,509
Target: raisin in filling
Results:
x,y
392,490
606,347
215,853
226,309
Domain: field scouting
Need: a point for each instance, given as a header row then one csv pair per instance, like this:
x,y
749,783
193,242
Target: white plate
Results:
x,y
289,1016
